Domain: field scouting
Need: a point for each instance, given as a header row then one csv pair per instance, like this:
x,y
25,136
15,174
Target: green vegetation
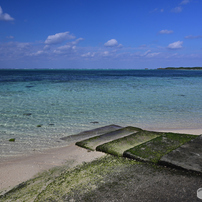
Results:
x,y
185,68
12,140
153,150
92,143
66,184
85,143
118,146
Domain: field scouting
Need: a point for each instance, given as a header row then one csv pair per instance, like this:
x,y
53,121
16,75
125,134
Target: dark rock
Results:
x,y
29,86
27,114
94,122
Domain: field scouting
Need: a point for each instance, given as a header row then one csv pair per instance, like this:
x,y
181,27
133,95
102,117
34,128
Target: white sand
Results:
x,y
16,170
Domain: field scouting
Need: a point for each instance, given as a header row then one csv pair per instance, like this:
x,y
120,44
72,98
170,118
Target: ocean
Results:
x,y
38,107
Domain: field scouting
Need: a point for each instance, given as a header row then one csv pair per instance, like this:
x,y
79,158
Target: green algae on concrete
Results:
x,y
91,133
110,179
68,184
118,146
188,156
93,142
153,150
28,191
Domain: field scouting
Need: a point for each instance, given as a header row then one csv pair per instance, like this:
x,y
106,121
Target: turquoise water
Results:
x,y
65,102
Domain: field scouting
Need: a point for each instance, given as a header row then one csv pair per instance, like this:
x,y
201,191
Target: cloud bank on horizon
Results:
x,y
100,34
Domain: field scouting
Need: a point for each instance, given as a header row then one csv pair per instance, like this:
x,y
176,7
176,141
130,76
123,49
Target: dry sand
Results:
x,y
15,170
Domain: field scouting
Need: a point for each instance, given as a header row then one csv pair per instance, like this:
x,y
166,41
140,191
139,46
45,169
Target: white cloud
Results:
x,y
184,2
13,50
193,37
105,53
175,45
89,54
59,38
5,16
146,53
165,31
10,37
37,53
77,41
157,10
177,9
120,46
151,55
65,47
111,43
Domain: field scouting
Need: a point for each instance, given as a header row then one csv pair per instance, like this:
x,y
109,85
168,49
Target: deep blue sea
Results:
x,y
66,102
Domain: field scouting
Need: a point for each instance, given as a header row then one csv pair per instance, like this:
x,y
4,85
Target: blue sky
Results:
x,y
104,34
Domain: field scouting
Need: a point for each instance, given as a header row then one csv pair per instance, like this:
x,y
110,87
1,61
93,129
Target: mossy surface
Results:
x,y
93,142
153,150
118,146
29,190
62,184
108,179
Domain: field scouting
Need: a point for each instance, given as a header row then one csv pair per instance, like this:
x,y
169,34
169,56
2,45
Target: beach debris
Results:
x,y
94,122
12,140
40,125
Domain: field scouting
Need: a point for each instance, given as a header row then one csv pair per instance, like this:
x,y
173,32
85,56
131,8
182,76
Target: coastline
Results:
x,y
15,170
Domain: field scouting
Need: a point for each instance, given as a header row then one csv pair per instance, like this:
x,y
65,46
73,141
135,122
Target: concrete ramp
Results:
x,y
93,142
188,156
91,133
118,146
170,149
152,151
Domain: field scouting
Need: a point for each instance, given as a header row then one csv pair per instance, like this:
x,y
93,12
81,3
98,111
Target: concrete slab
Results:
x,y
152,151
188,156
91,133
92,143
118,146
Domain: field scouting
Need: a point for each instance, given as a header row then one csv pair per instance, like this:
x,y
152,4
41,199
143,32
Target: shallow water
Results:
x,y
65,102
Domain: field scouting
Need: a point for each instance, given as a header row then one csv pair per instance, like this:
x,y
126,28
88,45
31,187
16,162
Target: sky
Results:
x,y
100,34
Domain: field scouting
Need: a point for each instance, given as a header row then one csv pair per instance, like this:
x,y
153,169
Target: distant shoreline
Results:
x,y
182,68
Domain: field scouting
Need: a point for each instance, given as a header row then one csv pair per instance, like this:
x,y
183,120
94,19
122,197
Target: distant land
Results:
x,y
187,68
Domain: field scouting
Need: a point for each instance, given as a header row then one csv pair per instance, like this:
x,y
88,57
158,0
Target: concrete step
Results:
x,y
118,146
155,149
92,143
188,156
91,133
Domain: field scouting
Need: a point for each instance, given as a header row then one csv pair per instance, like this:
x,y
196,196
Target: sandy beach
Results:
x,y
15,170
